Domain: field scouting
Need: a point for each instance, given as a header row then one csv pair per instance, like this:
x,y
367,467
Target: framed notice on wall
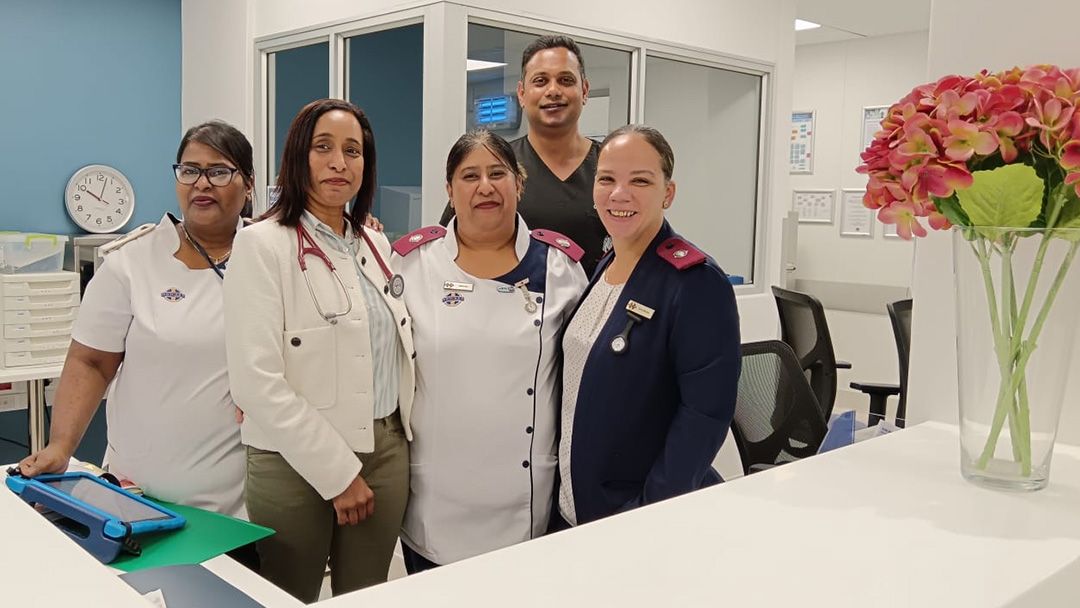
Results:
x,y
855,218
802,142
871,123
889,230
814,206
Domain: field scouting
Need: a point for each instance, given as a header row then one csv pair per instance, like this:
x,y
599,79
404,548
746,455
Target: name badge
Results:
x,y
640,310
452,286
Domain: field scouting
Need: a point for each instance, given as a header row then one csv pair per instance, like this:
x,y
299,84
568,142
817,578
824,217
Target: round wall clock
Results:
x,y
99,199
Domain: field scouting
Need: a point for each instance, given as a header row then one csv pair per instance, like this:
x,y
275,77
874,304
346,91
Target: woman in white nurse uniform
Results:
x,y
488,299
156,306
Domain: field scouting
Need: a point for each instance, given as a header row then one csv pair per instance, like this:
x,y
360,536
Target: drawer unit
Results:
x,y
41,302
13,388
33,317
57,283
37,330
25,358
38,312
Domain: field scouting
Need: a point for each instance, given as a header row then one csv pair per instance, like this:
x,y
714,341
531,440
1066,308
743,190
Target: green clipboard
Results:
x,y
206,535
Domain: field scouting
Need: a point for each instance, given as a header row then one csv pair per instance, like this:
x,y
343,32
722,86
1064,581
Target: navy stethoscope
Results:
x,y
306,245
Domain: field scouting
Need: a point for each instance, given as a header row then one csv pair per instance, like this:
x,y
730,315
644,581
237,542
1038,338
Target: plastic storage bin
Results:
x,y
28,252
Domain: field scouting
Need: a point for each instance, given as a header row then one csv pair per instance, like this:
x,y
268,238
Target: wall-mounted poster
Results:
x,y
814,206
871,123
855,218
802,142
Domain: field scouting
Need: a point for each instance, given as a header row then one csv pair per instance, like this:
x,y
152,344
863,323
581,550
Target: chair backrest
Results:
x,y
777,418
804,328
900,315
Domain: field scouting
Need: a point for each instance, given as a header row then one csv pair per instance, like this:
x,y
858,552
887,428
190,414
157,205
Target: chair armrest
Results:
x,y
843,365
871,388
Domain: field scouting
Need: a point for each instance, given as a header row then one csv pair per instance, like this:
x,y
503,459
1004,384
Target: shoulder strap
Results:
x,y
680,253
412,241
560,242
135,234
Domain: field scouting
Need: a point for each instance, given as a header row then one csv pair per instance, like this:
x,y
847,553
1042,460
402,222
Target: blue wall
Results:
x,y
85,83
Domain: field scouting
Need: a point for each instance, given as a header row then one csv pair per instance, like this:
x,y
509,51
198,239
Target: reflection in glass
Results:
x,y
385,77
712,119
298,76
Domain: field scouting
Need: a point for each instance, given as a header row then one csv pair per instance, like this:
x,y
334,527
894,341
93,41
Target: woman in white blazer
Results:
x,y
320,360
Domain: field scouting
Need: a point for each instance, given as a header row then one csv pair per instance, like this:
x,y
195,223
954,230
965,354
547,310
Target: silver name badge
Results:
x,y
640,310
453,286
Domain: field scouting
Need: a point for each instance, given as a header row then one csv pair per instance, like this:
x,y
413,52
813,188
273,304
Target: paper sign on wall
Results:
x,y
802,142
814,206
855,218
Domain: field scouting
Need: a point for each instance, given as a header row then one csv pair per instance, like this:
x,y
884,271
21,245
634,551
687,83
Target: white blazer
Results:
x,y
306,385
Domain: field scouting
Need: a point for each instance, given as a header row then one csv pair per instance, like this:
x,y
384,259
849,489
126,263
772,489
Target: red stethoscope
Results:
x,y
305,245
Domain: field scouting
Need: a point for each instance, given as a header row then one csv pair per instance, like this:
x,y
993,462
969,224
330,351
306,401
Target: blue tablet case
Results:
x,y
103,534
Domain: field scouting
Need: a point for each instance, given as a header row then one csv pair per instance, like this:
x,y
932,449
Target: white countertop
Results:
x,y
888,522
885,523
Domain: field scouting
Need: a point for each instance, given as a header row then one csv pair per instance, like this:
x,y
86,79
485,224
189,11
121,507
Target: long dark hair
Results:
x,y
229,142
294,174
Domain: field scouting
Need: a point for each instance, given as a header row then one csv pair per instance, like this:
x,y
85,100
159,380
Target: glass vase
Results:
x,y
1016,300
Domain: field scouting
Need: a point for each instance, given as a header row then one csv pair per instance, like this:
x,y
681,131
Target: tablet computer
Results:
x,y
84,498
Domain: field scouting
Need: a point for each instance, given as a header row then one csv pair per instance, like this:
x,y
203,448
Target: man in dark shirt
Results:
x,y
559,162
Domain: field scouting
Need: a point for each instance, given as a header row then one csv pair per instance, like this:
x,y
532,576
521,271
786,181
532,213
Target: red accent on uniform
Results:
x,y
405,245
667,249
567,246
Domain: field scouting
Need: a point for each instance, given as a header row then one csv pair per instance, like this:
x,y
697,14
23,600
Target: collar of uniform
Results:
x,y
170,239
343,244
521,239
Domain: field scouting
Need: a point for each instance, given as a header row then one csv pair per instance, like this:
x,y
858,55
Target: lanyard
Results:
x,y
218,266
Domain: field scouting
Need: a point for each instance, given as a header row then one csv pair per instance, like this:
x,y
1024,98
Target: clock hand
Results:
x,y
94,195
99,197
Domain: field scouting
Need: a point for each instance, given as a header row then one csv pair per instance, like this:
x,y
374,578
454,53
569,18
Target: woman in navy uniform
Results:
x,y
488,300
651,355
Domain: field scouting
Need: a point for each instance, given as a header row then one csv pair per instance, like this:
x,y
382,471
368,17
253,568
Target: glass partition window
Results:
x,y
494,69
384,73
712,118
297,76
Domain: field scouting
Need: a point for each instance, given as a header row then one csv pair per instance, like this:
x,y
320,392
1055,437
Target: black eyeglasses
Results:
x,y
217,176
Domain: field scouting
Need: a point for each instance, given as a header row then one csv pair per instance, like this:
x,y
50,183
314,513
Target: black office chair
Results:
x,y
803,327
777,418
900,316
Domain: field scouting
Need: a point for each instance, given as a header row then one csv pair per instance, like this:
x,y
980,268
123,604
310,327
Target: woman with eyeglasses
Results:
x,y
156,305
320,358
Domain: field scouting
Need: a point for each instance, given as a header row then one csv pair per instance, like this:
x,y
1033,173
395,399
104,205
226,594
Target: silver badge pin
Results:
x,y
565,244
618,344
680,253
416,238
455,286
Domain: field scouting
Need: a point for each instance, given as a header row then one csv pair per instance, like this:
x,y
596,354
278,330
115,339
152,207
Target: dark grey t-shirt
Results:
x,y
562,206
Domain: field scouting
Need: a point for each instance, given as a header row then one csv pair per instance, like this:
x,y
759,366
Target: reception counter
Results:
x,y
888,522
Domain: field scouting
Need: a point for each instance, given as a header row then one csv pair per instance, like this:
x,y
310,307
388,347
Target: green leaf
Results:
x,y
1009,196
1070,213
950,208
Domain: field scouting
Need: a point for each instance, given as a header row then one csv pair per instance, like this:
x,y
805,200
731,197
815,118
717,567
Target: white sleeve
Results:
x,y
106,313
254,326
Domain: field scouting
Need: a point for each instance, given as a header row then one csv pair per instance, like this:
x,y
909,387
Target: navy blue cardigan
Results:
x,y
649,421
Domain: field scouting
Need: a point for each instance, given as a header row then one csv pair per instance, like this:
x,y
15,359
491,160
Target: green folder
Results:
x,y
205,536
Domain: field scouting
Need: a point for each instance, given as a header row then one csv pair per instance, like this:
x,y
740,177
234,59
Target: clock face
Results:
x,y
99,199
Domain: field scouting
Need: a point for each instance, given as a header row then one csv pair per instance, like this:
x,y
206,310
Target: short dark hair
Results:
x,y
551,42
482,138
294,174
229,142
652,137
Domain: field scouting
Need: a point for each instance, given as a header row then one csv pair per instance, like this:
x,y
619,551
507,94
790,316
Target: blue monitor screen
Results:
x,y
496,112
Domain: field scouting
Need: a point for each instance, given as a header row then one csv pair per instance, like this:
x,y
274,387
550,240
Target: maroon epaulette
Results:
x,y
679,253
560,242
410,242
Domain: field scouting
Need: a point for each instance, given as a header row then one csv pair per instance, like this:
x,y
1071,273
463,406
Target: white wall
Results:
x,y
216,66
966,36
837,80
